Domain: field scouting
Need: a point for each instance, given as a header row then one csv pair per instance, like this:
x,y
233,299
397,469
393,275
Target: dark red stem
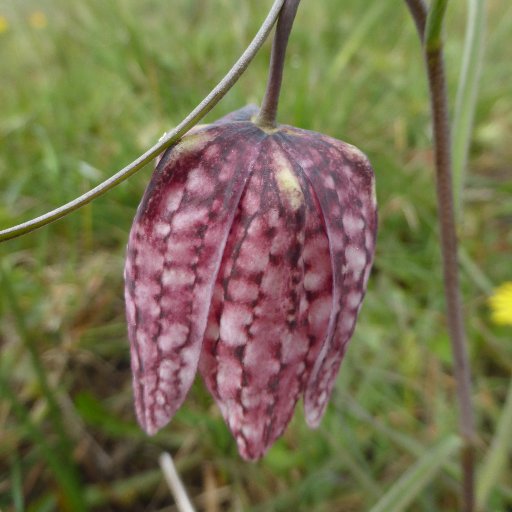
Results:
x,y
442,148
267,116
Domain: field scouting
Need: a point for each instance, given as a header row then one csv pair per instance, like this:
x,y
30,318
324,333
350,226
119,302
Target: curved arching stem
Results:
x,y
169,138
419,12
267,115
429,25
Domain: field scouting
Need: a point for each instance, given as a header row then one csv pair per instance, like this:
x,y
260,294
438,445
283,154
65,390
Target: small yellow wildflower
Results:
x,y
4,24
38,20
501,304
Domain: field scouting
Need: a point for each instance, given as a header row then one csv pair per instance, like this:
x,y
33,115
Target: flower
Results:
x,y
248,259
501,304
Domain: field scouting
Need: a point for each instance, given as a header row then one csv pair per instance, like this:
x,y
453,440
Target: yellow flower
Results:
x,y
38,20
4,25
501,304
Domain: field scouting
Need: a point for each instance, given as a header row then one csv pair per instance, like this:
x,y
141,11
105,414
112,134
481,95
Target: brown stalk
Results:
x,y
433,54
267,115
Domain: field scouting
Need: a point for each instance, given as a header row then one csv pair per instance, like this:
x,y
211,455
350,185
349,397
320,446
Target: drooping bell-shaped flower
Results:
x,y
248,259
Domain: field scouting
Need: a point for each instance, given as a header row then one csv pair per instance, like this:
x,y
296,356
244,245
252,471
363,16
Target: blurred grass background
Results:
x,y
85,87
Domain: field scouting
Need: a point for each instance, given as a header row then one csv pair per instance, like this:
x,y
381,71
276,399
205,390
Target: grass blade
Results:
x,y
467,94
415,479
434,26
497,455
17,485
372,16
68,483
64,453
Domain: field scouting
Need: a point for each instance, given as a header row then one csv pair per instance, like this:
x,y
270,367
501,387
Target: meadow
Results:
x,y
85,87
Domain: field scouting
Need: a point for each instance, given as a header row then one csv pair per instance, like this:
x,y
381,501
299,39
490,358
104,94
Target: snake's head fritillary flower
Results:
x,y
248,259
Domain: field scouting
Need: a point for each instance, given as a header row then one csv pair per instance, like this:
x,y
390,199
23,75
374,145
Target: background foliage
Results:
x,y
87,86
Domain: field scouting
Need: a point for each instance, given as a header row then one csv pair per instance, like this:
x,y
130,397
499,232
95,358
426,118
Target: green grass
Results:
x,y
100,83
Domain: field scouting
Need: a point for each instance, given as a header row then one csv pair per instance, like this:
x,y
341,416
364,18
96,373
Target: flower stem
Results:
x,y
267,115
168,139
419,15
430,34
451,274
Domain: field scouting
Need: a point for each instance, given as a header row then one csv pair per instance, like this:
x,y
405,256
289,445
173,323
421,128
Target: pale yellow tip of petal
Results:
x,y
287,181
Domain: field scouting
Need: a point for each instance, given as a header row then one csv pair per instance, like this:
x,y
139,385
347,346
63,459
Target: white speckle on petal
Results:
x,y
174,200
186,219
167,369
160,397
313,281
356,258
243,290
249,398
178,277
347,322
353,299
352,225
273,217
229,378
250,432
252,258
233,324
199,183
172,336
369,242
329,182
161,418
162,229
320,311
252,200
145,346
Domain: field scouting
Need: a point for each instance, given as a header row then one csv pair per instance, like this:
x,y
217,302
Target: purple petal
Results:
x,y
174,252
342,179
259,340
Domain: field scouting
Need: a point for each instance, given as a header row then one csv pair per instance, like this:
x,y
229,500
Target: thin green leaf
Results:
x,y
64,450
373,14
96,414
69,485
467,94
17,485
497,455
434,26
414,480
474,272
